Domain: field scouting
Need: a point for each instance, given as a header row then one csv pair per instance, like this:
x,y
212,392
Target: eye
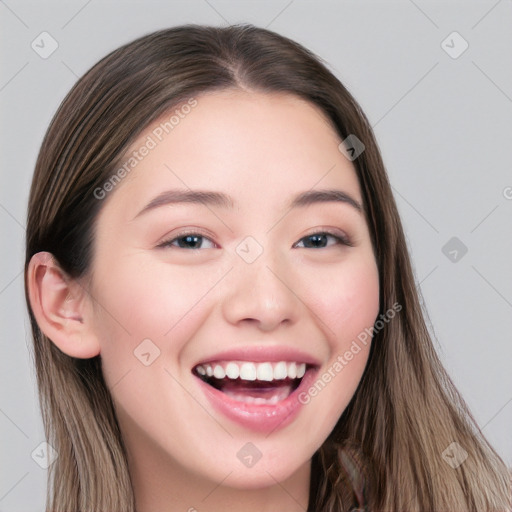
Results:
x,y
319,240
187,241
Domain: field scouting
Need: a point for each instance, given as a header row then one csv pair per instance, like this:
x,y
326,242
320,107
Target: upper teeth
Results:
x,y
252,371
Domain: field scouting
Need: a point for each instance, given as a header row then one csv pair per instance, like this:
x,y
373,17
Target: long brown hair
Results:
x,y
385,452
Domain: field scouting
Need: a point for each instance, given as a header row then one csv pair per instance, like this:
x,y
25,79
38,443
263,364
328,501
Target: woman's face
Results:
x,y
246,286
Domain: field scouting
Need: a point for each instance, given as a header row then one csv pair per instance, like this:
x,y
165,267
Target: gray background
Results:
x,y
443,125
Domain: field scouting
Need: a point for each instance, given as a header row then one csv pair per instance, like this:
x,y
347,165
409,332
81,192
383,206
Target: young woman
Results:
x,y
223,308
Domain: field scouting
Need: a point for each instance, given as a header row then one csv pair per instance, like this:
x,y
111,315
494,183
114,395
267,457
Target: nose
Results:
x,y
263,293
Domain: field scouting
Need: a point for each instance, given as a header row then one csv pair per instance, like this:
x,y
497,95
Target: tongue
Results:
x,y
256,391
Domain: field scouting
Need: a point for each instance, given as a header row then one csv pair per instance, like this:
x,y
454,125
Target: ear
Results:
x,y
61,307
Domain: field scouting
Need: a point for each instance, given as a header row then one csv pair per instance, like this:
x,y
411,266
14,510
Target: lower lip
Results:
x,y
259,417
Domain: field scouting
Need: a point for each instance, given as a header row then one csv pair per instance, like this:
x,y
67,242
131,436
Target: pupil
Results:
x,y
191,240
318,239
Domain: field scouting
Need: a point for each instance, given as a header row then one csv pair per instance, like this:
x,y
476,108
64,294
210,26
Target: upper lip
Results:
x,y
260,354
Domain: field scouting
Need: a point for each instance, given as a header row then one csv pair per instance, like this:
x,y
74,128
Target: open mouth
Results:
x,y
265,383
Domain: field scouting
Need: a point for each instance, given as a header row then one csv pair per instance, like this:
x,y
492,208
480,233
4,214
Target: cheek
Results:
x,y
144,323
348,305
346,300
140,302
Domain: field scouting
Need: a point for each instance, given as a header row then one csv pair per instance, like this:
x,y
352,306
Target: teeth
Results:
x,y
280,371
232,370
219,372
253,371
265,372
279,395
248,371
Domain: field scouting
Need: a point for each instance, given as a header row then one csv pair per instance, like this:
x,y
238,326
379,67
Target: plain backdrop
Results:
x,y
441,107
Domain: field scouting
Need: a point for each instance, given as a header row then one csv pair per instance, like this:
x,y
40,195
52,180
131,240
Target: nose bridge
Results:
x,y
259,287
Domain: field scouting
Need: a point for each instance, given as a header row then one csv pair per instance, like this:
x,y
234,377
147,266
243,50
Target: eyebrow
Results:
x,y
211,198
324,196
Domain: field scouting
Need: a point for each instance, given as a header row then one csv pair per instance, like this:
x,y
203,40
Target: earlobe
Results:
x,y
60,307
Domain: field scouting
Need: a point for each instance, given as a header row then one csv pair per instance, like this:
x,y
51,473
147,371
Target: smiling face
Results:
x,y
209,312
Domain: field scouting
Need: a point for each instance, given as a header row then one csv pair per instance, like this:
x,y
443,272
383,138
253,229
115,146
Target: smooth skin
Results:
x,y
195,297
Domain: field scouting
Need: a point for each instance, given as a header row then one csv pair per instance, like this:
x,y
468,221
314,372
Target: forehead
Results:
x,y
247,144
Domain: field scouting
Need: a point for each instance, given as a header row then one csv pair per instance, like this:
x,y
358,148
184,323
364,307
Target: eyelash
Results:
x,y
340,239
